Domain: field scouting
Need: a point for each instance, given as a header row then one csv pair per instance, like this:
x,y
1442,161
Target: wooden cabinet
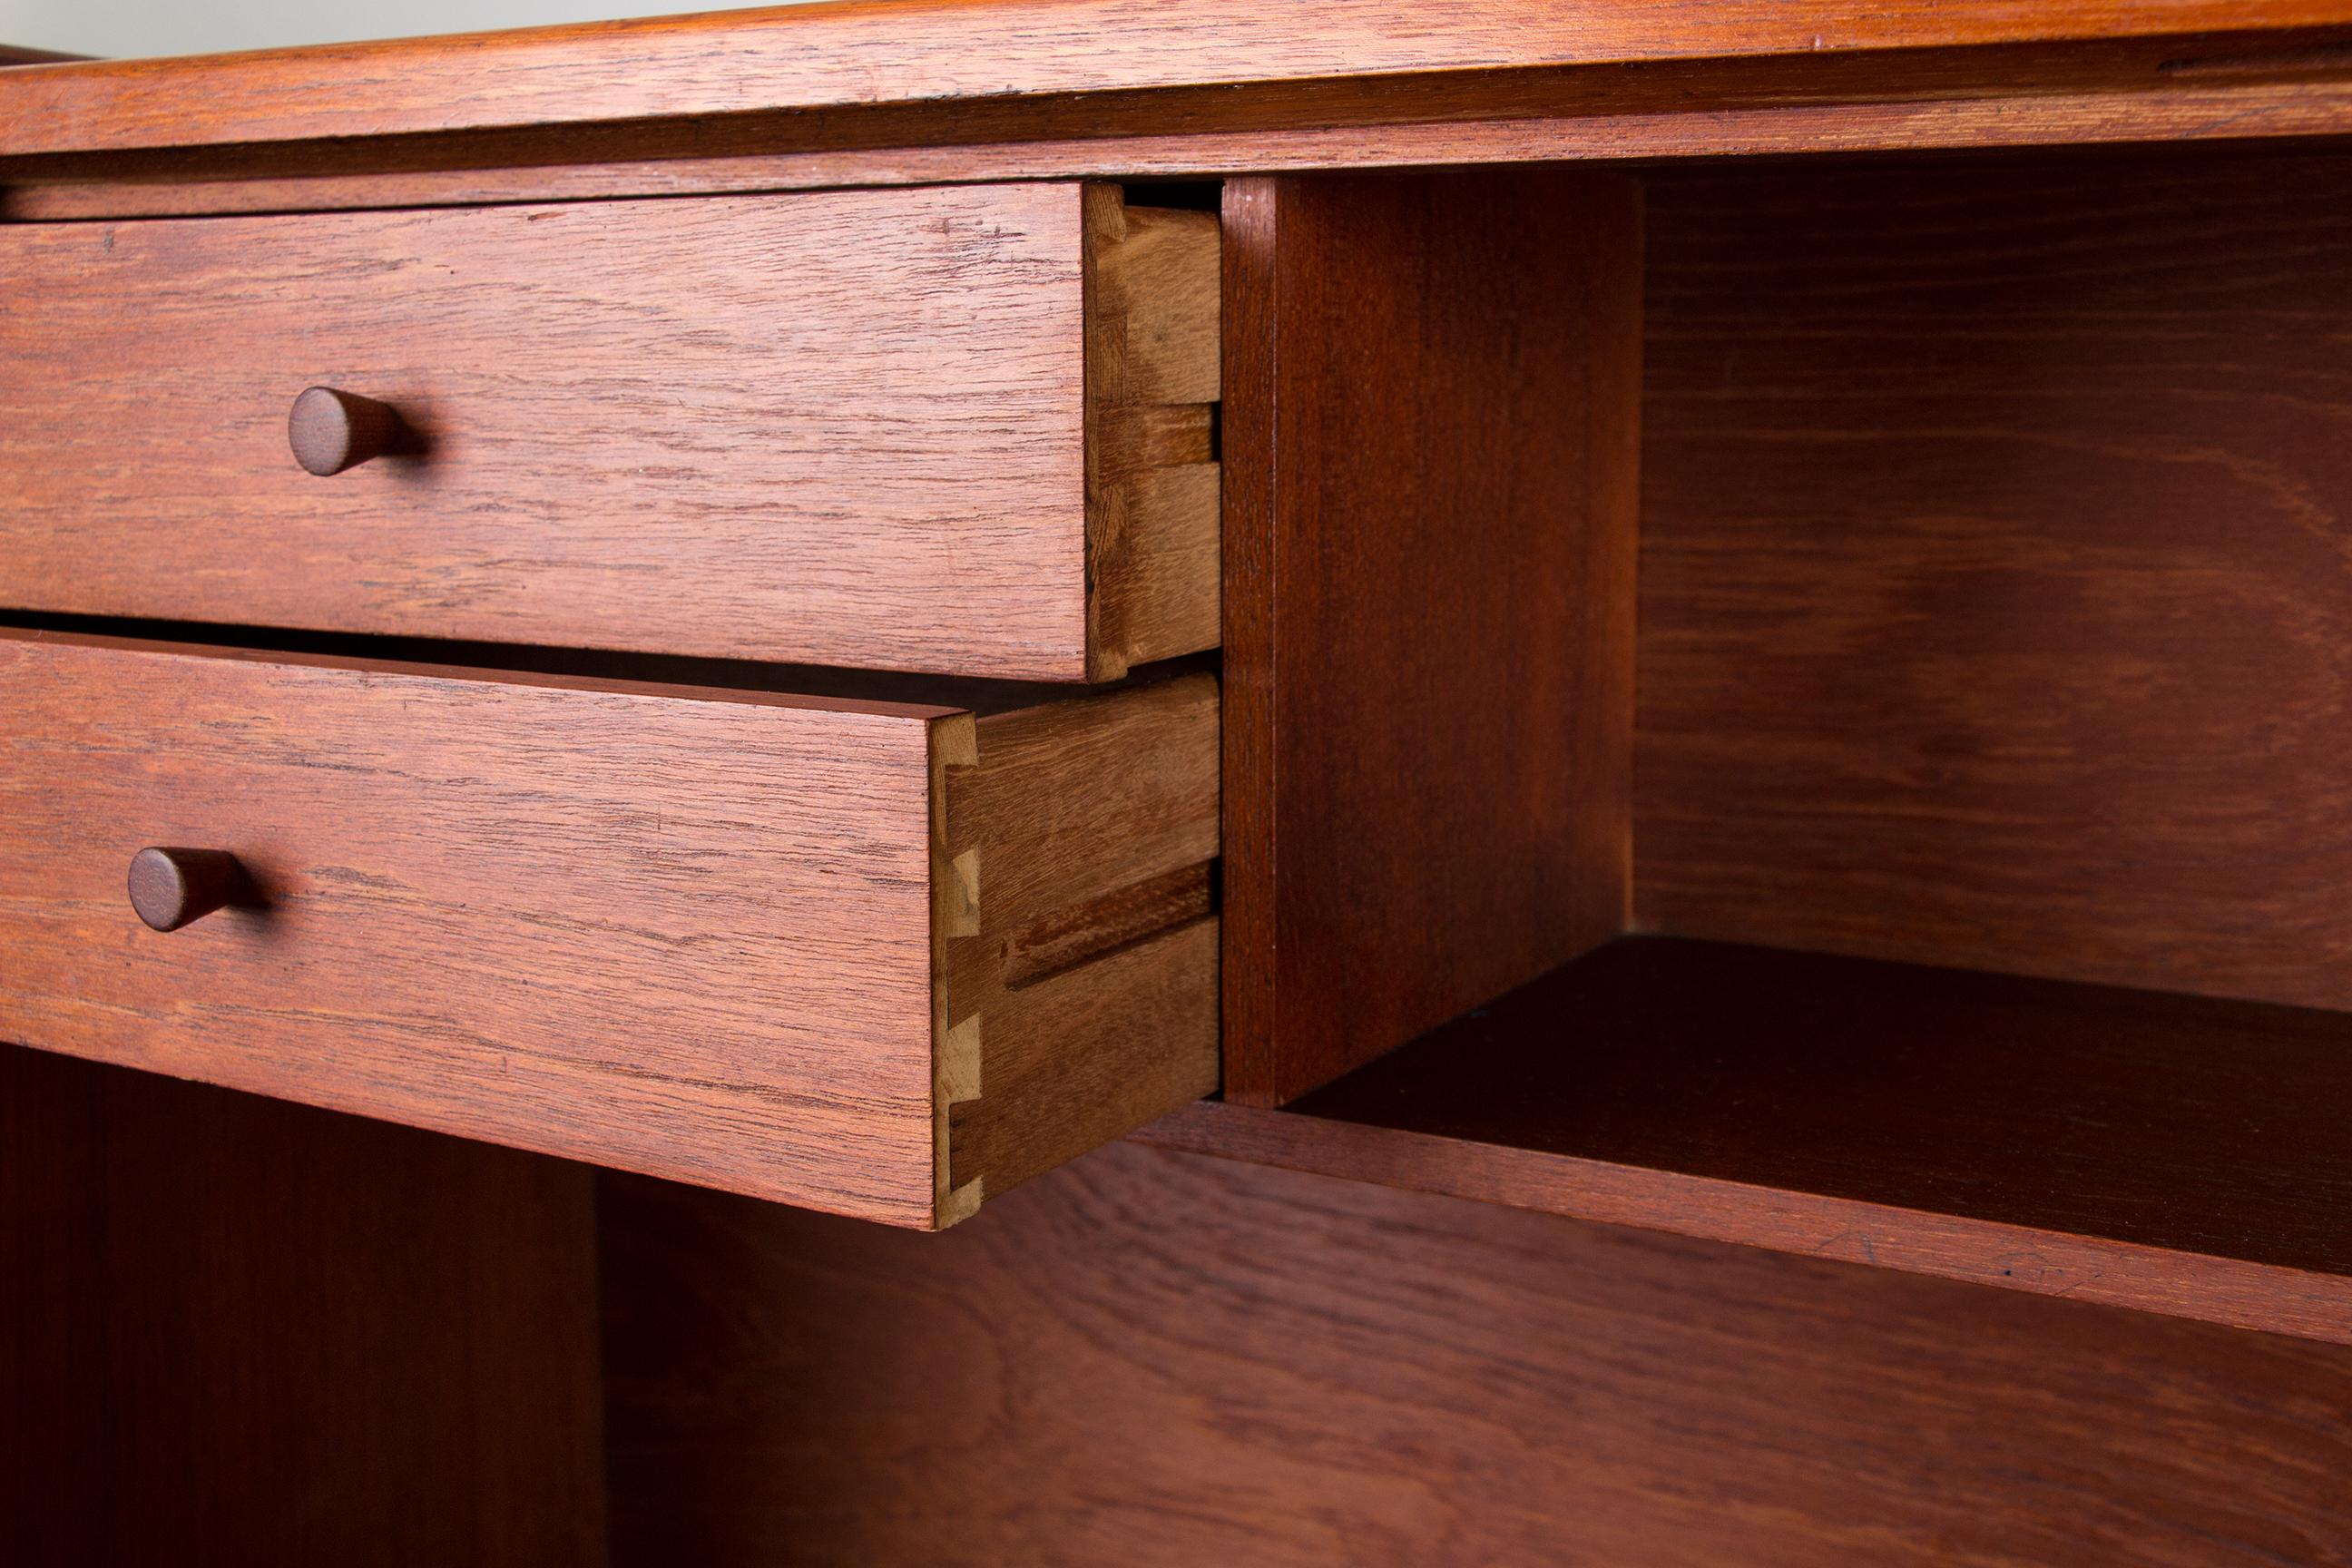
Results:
x,y
1696,913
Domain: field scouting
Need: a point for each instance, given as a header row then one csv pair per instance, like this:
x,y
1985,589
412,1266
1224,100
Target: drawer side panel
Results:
x,y
1085,979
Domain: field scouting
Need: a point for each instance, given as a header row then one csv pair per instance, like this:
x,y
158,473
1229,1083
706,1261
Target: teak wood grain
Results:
x,y
863,428
240,1332
1155,1360
1152,371
681,931
2173,1154
2232,86
1429,455
858,54
1997,567
1079,953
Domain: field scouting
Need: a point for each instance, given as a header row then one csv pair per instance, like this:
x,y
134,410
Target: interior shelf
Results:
x,y
2176,1155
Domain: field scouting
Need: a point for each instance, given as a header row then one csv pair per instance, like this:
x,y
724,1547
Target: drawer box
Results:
x,y
959,429
873,958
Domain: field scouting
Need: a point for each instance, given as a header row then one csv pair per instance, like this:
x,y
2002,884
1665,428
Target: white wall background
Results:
x,y
123,29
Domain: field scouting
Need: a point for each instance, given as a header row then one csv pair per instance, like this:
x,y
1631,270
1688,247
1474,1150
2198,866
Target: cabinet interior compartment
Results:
x,y
1991,805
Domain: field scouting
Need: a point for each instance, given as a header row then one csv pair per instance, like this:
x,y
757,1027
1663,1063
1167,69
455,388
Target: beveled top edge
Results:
x,y
847,53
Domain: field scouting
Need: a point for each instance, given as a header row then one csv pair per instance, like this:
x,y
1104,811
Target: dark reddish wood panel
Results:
x,y
2173,1153
836,427
1156,1359
2211,88
858,56
240,1332
1431,385
1997,567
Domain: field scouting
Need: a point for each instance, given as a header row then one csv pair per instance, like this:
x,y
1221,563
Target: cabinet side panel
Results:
x,y
1432,395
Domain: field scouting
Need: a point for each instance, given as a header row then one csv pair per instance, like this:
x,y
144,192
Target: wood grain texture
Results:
x,y
1156,1359
1994,568
1151,371
840,427
1430,429
689,931
2232,86
855,55
1067,814
686,932
2172,1155
239,1332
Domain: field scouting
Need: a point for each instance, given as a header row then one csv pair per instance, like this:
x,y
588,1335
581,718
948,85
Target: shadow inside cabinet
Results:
x,y
1157,1358
241,1332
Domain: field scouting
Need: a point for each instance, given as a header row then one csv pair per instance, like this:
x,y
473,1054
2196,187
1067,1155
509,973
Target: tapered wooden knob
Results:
x,y
169,888
330,430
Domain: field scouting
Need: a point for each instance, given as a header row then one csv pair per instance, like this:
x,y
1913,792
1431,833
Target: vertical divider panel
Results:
x,y
1431,416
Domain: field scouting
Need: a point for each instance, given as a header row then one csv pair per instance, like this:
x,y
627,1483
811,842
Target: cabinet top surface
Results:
x,y
1266,64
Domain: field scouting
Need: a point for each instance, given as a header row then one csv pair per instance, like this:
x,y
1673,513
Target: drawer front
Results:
x,y
962,429
756,942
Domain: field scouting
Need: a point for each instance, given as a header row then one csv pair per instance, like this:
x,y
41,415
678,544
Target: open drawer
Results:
x,y
959,429
873,958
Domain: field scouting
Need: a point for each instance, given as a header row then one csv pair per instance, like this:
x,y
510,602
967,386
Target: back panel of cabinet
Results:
x,y
1996,565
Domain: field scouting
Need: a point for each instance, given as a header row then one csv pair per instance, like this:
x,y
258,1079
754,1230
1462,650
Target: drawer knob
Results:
x,y
169,888
330,430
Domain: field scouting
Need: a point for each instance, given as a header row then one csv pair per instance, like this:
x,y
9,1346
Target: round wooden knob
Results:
x,y
169,888
330,431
